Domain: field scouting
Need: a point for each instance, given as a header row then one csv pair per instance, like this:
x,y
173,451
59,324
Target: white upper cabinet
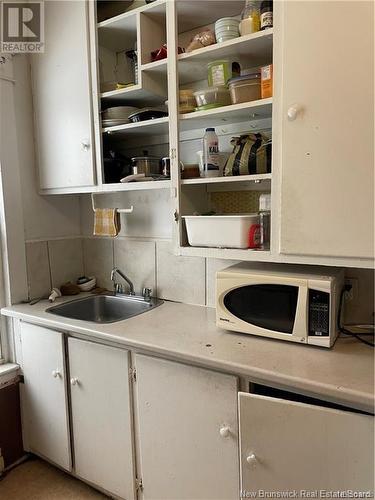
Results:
x,y
62,99
324,128
188,431
287,446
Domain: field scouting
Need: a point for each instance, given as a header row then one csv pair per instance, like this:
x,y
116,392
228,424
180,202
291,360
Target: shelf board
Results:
x,y
227,253
156,67
159,126
234,113
255,48
122,20
228,180
134,95
135,186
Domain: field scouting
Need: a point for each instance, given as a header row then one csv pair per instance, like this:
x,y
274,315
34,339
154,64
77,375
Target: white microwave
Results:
x,y
294,303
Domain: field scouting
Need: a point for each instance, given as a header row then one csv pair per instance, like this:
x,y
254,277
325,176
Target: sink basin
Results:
x,y
104,308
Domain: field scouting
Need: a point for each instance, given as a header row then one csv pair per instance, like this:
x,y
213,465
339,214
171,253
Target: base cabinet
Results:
x,y
288,446
45,409
102,416
188,431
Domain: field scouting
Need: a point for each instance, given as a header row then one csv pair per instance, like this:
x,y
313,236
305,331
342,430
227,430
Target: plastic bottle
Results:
x,y
211,157
265,220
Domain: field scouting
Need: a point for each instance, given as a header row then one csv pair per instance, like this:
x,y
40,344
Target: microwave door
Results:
x,y
269,309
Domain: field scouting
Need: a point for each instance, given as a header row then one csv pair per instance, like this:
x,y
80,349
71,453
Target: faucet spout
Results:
x,y
115,271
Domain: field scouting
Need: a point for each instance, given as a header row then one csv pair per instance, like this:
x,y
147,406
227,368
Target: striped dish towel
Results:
x,y
106,222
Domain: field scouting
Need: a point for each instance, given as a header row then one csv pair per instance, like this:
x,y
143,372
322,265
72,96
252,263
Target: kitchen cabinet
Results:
x,y
45,415
287,445
324,129
61,83
102,416
187,431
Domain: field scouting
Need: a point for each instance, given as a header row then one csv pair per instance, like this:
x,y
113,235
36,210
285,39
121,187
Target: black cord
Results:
x,y
341,328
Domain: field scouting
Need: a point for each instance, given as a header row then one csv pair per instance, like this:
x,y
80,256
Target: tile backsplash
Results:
x,y
151,263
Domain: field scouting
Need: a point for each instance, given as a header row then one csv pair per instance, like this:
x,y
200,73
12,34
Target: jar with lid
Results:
x,y
250,18
266,14
265,220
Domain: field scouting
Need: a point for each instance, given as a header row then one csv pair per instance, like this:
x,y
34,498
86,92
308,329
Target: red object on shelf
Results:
x,y
162,52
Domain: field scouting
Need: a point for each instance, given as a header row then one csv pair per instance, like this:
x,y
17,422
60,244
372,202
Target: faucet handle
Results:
x,y
147,293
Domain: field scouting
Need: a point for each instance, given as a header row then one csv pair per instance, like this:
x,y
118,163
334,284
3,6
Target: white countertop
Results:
x,y
343,374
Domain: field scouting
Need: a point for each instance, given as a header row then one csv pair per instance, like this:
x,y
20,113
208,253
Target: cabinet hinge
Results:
x,y
176,216
173,153
133,374
138,484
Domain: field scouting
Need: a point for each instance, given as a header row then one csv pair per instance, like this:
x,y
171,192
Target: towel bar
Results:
x,y
119,210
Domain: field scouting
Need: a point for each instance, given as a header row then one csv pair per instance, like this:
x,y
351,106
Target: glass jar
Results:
x,y
250,18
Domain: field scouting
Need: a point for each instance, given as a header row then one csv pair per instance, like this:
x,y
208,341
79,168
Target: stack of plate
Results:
x,y
226,28
117,115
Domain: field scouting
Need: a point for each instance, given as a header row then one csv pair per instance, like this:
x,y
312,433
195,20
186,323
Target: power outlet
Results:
x,y
352,294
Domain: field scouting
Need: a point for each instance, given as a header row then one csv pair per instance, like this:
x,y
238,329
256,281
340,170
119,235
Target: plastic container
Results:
x,y
245,88
214,95
186,101
220,231
221,71
266,81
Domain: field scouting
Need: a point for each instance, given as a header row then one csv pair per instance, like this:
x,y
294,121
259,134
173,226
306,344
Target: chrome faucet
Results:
x,y
116,285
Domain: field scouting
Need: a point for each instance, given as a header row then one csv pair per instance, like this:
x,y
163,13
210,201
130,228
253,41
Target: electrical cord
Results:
x,y
342,329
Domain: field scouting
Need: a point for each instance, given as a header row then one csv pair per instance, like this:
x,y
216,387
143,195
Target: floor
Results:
x,y
37,480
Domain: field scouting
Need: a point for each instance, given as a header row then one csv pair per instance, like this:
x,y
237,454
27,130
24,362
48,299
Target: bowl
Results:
x,y
218,96
89,285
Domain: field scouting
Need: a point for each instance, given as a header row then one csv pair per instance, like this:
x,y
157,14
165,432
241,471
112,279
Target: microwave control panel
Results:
x,y
318,313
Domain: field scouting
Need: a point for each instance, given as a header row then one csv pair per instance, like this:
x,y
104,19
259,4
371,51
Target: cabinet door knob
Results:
x,y
85,145
224,431
251,459
293,112
74,381
56,374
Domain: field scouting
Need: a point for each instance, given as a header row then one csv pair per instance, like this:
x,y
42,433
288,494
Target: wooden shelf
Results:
x,y
134,186
134,95
234,113
227,253
122,21
159,126
228,180
156,67
255,48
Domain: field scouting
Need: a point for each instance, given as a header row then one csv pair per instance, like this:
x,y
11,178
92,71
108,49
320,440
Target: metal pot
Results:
x,y
148,165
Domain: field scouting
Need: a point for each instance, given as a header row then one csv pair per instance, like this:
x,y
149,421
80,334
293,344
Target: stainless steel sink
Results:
x,y
105,308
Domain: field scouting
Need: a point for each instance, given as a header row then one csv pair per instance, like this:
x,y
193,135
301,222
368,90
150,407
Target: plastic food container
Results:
x,y
221,231
218,96
245,88
186,101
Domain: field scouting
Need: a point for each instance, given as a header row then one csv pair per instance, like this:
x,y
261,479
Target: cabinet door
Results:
x,y
326,149
101,416
61,94
286,446
182,411
45,414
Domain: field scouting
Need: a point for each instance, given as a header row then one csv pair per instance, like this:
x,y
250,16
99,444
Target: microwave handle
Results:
x,y
302,313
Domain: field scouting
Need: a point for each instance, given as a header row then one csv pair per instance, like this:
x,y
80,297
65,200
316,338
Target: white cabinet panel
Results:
x,y
101,416
62,98
325,69
182,411
45,416
287,446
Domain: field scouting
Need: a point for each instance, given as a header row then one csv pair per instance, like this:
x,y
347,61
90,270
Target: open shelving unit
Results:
x,y
179,135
